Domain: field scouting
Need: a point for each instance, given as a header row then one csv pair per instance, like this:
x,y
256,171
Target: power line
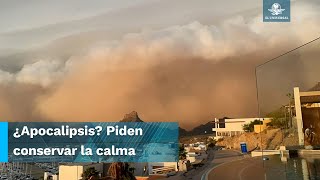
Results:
x,y
318,38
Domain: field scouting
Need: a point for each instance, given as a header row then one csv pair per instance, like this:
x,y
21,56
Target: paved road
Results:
x,y
196,174
233,166
226,156
249,168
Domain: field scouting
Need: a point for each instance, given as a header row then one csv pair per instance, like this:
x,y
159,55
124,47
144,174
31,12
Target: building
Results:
x,y
259,128
307,107
162,168
50,176
140,169
75,170
143,170
231,127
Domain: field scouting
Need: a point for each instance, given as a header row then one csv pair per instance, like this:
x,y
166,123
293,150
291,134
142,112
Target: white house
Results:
x,y
162,168
231,127
75,170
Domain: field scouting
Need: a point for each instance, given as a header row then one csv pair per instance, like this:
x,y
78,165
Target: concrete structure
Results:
x,y
155,170
259,128
192,155
265,153
141,178
75,170
195,156
231,127
140,169
162,168
50,176
201,146
306,100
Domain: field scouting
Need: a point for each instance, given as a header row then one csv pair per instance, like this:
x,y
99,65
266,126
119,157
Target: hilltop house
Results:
x,y
231,127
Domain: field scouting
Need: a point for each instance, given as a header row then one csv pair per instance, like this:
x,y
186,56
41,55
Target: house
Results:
x,y
162,168
231,127
75,170
193,155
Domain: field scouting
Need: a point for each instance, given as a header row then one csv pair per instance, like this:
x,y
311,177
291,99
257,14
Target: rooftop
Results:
x,y
316,87
311,99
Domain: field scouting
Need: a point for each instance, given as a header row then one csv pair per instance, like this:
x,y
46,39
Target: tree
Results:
x,y
211,142
121,171
90,173
250,126
182,152
289,95
279,118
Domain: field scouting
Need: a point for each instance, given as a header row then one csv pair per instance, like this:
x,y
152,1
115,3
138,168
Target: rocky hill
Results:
x,y
183,132
134,117
131,117
202,129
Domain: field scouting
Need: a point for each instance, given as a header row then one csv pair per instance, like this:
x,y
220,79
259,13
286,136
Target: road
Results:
x,y
215,158
233,166
245,168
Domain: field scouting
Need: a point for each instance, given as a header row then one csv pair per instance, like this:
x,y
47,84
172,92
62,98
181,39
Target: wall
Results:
x,y
139,168
260,128
98,166
70,172
235,125
74,172
191,158
162,164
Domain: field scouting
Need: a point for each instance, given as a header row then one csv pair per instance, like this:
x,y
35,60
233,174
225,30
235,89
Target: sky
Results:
x,y
187,61
19,15
32,24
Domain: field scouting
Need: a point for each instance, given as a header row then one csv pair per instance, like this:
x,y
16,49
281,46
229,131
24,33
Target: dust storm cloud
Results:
x,y
189,73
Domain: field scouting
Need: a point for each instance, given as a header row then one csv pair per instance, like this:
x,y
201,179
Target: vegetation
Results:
x,y
282,117
278,123
291,99
121,171
279,119
211,142
250,126
90,173
182,152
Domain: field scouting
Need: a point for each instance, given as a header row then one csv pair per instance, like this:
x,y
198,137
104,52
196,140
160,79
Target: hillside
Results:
x,y
131,117
134,117
202,129
271,139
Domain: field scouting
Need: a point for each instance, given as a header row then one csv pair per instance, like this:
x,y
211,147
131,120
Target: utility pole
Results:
x,y
289,95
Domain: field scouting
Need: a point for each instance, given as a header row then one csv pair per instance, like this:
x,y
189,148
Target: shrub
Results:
x,y
250,126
